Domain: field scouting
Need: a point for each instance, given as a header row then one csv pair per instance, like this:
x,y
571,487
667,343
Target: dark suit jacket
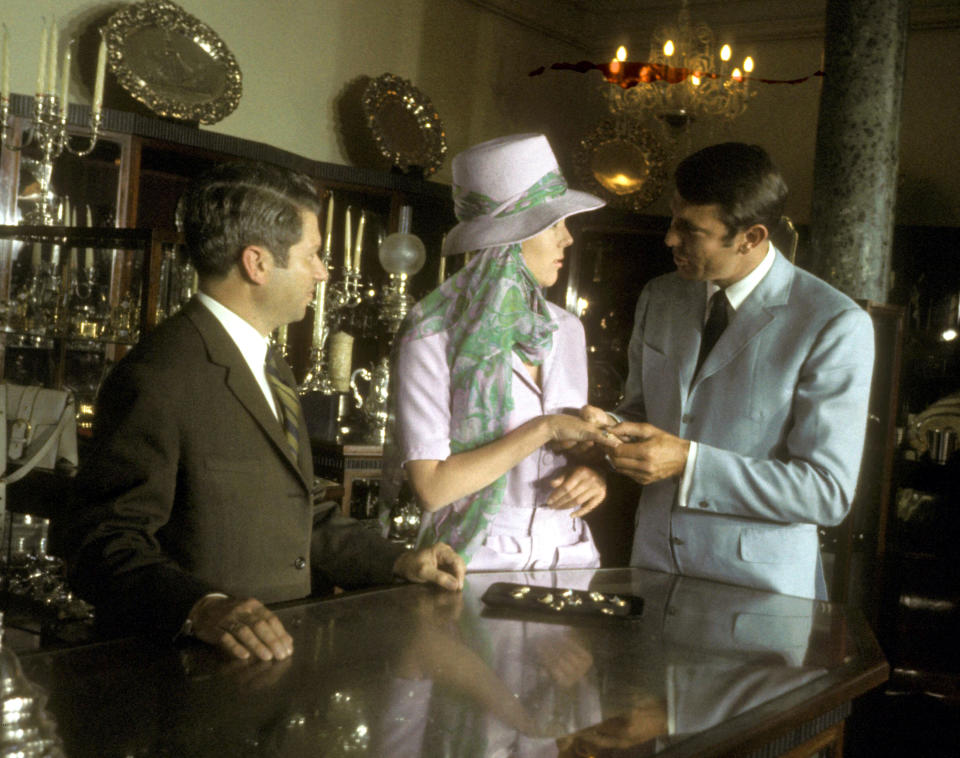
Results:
x,y
189,489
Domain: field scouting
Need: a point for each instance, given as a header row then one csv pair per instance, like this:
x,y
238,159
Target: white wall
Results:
x,y
298,56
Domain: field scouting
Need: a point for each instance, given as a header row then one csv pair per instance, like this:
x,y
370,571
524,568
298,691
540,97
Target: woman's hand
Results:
x,y
438,483
592,415
597,416
565,428
582,488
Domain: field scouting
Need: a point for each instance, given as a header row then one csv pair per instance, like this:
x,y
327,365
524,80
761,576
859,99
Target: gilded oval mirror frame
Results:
x,y
622,162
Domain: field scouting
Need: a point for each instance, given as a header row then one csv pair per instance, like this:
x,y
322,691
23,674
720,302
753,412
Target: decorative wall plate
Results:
x,y
622,162
173,63
406,128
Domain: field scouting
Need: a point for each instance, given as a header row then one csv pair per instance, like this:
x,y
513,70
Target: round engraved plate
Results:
x,y
173,63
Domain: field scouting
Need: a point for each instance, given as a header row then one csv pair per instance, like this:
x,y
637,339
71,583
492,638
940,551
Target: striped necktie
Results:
x,y
288,404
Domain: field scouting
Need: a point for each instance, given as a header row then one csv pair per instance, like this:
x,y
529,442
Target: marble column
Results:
x,y
858,131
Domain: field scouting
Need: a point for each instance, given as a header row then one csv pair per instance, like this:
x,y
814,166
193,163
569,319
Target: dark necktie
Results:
x,y
716,323
288,404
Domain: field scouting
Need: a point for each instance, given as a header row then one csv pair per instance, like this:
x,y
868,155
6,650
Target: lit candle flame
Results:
x,y
621,53
695,80
725,53
737,75
748,64
668,48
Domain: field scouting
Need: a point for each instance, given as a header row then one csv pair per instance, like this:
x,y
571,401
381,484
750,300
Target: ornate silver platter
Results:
x,y
622,162
405,126
173,63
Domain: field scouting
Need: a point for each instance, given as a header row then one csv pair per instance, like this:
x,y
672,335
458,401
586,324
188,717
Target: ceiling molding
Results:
x,y
597,27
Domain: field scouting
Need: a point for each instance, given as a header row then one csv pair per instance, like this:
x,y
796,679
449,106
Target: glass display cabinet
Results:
x,y
72,301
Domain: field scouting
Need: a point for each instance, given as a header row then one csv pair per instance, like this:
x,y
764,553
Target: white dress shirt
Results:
x,y
251,344
736,293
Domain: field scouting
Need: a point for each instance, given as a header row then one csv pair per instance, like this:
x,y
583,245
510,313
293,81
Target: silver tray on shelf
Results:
x,y
406,128
173,63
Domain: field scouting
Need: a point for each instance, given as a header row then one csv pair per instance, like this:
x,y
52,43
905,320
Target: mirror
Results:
x,y
623,163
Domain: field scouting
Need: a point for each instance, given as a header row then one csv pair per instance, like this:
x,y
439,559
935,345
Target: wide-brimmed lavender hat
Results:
x,y
509,190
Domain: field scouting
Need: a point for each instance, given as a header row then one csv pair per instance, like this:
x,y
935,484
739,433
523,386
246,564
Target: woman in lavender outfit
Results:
x,y
485,365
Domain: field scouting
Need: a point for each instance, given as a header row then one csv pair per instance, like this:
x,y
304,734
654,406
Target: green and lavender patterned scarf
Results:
x,y
490,309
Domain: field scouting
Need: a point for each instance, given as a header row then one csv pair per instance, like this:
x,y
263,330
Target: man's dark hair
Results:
x,y
740,179
239,204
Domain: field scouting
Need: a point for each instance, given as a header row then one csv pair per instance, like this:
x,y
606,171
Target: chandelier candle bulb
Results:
x,y
725,53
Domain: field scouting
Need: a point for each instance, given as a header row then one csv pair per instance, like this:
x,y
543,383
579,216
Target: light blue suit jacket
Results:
x,y
779,410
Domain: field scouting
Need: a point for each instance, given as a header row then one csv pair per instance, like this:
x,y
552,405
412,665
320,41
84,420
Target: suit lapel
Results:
x,y
752,317
688,313
223,351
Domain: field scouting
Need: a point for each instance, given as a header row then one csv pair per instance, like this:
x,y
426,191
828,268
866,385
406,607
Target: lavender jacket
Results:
x,y
523,535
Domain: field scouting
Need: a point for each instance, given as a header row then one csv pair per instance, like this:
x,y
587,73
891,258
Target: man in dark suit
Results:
x,y
195,502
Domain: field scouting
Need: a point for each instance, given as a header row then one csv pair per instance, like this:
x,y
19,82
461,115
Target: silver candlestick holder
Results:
x,y
49,133
317,378
48,130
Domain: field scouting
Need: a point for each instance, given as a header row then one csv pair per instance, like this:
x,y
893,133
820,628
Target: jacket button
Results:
x,y
685,418
300,563
703,504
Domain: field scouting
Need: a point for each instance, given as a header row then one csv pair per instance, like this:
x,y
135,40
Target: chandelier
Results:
x,y
684,78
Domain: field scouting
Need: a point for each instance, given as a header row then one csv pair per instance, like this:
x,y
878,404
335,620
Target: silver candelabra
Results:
x,y
48,130
49,133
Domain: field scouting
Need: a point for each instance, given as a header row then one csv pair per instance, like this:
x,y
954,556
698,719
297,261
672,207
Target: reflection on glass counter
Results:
x,y
414,671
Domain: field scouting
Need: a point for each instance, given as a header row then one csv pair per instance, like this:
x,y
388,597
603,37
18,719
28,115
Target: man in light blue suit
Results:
x,y
745,447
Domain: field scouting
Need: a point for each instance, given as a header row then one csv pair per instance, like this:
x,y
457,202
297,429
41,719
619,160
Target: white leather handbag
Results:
x,y
38,429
